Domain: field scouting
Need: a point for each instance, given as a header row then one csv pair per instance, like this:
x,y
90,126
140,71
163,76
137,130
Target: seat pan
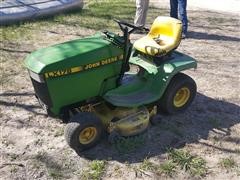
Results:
x,y
163,37
148,45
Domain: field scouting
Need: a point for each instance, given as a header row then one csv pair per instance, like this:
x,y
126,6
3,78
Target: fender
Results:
x,y
169,69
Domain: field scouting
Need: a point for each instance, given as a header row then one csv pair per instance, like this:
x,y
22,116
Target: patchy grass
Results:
x,y
18,40
146,165
96,15
55,173
101,13
54,169
13,169
17,32
168,168
95,171
227,163
190,163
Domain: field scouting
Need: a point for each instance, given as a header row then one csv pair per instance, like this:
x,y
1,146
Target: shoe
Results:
x,y
184,36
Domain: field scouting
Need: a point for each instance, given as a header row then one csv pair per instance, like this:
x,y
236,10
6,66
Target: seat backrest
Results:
x,y
166,26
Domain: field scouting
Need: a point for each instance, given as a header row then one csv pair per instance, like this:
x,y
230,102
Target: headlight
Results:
x,y
36,77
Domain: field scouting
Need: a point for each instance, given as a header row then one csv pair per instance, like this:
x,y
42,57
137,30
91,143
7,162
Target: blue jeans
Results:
x,y
181,6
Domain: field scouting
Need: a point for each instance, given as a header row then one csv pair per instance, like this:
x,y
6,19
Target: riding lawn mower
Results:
x,y
106,83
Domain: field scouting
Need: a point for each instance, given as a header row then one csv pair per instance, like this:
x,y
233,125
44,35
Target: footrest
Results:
x,y
129,100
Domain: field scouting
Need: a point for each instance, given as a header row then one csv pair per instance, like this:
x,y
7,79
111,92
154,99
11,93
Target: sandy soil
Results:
x,y
33,147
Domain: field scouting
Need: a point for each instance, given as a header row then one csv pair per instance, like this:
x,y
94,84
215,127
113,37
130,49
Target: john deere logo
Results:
x,y
77,69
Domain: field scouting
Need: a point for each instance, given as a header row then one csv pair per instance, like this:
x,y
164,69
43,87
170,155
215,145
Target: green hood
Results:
x,y
70,54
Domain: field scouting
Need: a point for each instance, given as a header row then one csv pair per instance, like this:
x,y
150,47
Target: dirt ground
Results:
x,y
229,6
33,147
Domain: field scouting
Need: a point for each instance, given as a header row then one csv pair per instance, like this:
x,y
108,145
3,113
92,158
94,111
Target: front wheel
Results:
x,y
179,94
83,131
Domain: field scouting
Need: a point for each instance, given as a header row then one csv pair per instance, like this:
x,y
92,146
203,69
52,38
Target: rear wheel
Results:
x,y
178,95
83,131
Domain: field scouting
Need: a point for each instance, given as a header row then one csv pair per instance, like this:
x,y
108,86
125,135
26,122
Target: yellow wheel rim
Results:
x,y
181,97
87,135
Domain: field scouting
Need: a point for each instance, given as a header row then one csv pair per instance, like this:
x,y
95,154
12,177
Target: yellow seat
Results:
x,y
164,36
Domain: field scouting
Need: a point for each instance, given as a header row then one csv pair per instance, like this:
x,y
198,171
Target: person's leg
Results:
x,y
139,21
183,14
145,9
174,8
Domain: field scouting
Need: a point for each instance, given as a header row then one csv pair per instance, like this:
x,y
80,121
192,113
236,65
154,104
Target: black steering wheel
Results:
x,y
123,24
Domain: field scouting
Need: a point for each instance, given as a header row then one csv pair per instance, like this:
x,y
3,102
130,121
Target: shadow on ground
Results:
x,y
208,36
204,116
27,107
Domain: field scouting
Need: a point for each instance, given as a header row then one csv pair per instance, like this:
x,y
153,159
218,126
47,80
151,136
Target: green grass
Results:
x,y
146,165
96,15
168,168
227,163
16,32
190,163
177,159
95,170
101,13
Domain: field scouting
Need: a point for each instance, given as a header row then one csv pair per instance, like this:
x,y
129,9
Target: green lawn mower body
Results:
x,y
91,75
74,72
